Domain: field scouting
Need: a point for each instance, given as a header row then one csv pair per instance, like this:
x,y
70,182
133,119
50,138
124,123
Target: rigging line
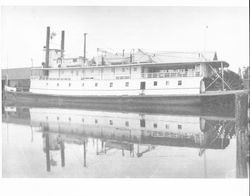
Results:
x,y
220,77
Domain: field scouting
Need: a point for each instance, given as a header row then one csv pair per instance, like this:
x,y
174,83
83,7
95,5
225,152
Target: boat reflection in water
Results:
x,y
101,133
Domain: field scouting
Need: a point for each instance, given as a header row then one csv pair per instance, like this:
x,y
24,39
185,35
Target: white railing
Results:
x,y
169,75
47,78
120,77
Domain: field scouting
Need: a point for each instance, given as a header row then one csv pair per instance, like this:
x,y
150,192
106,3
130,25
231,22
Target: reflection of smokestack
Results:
x,y
62,154
47,152
84,154
62,44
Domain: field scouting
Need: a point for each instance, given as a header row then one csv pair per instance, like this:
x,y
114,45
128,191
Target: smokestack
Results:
x,y
62,44
47,48
84,55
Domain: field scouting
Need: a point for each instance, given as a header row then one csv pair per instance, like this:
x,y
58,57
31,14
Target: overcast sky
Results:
x,y
225,30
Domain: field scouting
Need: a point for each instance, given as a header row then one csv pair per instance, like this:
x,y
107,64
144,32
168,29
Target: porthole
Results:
x,y
179,82
127,84
96,84
155,83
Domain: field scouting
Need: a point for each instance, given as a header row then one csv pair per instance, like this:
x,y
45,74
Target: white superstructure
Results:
x,y
137,73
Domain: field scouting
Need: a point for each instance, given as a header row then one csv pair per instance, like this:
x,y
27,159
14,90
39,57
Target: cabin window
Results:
x,y
72,71
167,126
113,70
57,118
69,84
111,122
82,84
82,119
96,121
167,83
135,69
127,84
47,84
57,84
96,84
179,126
111,84
142,123
83,71
179,82
155,125
155,83
126,123
69,119
74,60
92,70
123,69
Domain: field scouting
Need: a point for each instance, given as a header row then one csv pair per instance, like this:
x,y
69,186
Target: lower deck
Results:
x,y
124,87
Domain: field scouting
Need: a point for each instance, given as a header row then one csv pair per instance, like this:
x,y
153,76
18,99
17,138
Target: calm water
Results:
x,y
59,142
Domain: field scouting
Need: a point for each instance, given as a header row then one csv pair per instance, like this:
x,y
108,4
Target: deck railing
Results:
x,y
143,75
169,75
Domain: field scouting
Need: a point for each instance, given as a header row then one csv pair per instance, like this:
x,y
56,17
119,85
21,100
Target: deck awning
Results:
x,y
182,65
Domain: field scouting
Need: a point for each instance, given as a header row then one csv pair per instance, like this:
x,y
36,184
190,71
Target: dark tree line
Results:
x,y
246,73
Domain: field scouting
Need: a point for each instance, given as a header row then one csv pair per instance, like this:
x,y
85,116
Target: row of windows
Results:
x,y
142,123
126,83
92,70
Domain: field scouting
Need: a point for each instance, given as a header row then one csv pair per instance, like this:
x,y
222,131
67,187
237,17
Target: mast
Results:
x,y
84,55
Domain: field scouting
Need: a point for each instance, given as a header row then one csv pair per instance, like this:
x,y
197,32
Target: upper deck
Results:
x,y
132,71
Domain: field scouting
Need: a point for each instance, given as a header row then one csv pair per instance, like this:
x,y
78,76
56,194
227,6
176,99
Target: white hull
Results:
x,y
124,87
